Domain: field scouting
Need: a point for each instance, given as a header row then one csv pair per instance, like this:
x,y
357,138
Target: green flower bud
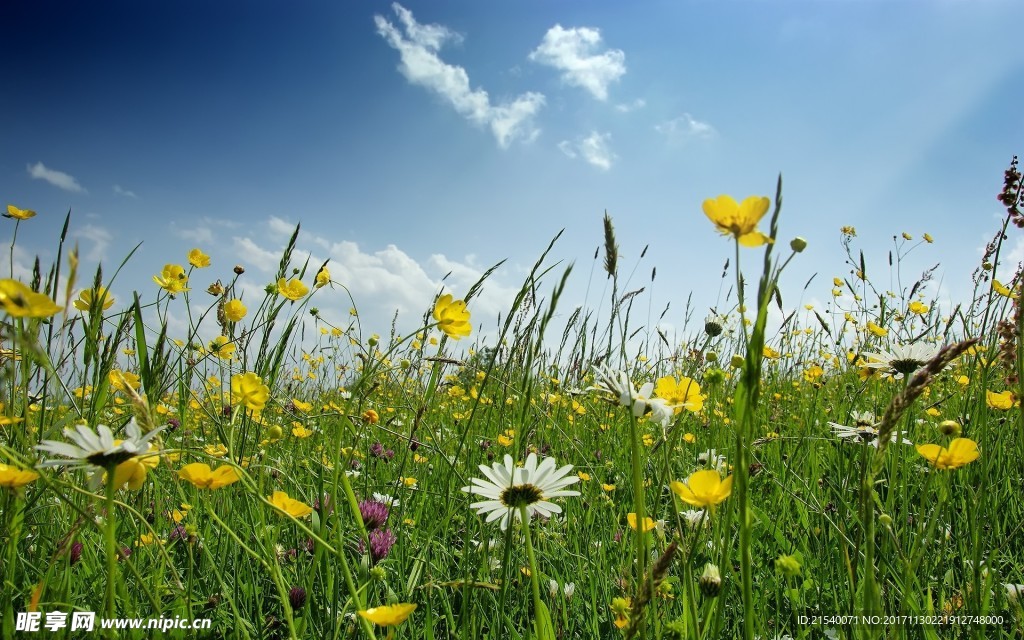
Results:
x,y
710,581
797,244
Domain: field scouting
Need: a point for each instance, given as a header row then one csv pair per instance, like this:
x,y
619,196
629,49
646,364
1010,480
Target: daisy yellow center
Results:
x,y
521,495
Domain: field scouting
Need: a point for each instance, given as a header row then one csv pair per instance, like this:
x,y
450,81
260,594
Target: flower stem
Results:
x,y
110,548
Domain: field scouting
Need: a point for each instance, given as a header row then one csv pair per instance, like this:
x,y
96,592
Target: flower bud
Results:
x,y
798,244
737,361
788,566
710,581
713,326
711,356
949,428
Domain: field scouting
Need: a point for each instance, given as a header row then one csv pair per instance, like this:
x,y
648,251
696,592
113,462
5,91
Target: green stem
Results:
x,y
534,577
639,508
110,544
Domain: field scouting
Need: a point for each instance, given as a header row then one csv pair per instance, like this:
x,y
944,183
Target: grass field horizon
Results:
x,y
854,472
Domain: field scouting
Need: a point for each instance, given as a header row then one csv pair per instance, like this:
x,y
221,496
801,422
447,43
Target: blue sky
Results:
x,y
419,138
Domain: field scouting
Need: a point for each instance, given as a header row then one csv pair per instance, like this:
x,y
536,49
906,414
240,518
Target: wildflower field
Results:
x,y
853,472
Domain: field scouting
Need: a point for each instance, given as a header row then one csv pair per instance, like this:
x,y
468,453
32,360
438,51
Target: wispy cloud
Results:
x,y
100,239
571,51
124,192
594,149
626,107
420,64
58,179
685,126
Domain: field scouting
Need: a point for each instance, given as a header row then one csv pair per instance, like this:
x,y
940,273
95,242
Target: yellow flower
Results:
x,y
620,607
146,539
1002,289
172,279
323,278
203,477
684,394
234,310
918,307
648,523
294,508
99,296
881,332
907,236
13,477
223,349
131,472
928,238
961,451
248,389
770,353
689,438
608,487
304,407
15,213
293,289
302,432
848,231
703,488
123,380
584,476
738,220
371,416
452,317
409,481
389,615
198,259
1002,401
215,450
21,302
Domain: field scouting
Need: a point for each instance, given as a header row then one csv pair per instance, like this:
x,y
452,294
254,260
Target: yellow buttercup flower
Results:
x,y
680,394
294,508
248,389
99,296
15,213
961,451
703,488
452,317
1003,401
21,302
172,279
293,289
131,472
1002,289
222,348
215,450
918,307
647,525
389,615
876,330
198,259
234,310
738,220
122,380
203,477
13,477
323,278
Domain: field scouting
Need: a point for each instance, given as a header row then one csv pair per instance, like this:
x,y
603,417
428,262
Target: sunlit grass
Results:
x,y
311,478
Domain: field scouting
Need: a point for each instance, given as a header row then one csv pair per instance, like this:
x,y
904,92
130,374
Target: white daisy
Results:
x,y
902,360
694,517
617,383
387,500
97,450
864,429
508,488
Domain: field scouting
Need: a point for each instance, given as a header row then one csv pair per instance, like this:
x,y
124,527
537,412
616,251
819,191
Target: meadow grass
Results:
x,y
339,459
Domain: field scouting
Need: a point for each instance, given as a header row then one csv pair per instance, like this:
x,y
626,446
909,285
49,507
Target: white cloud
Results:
x,y
100,239
58,179
419,46
380,282
124,192
594,149
626,107
571,52
685,126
